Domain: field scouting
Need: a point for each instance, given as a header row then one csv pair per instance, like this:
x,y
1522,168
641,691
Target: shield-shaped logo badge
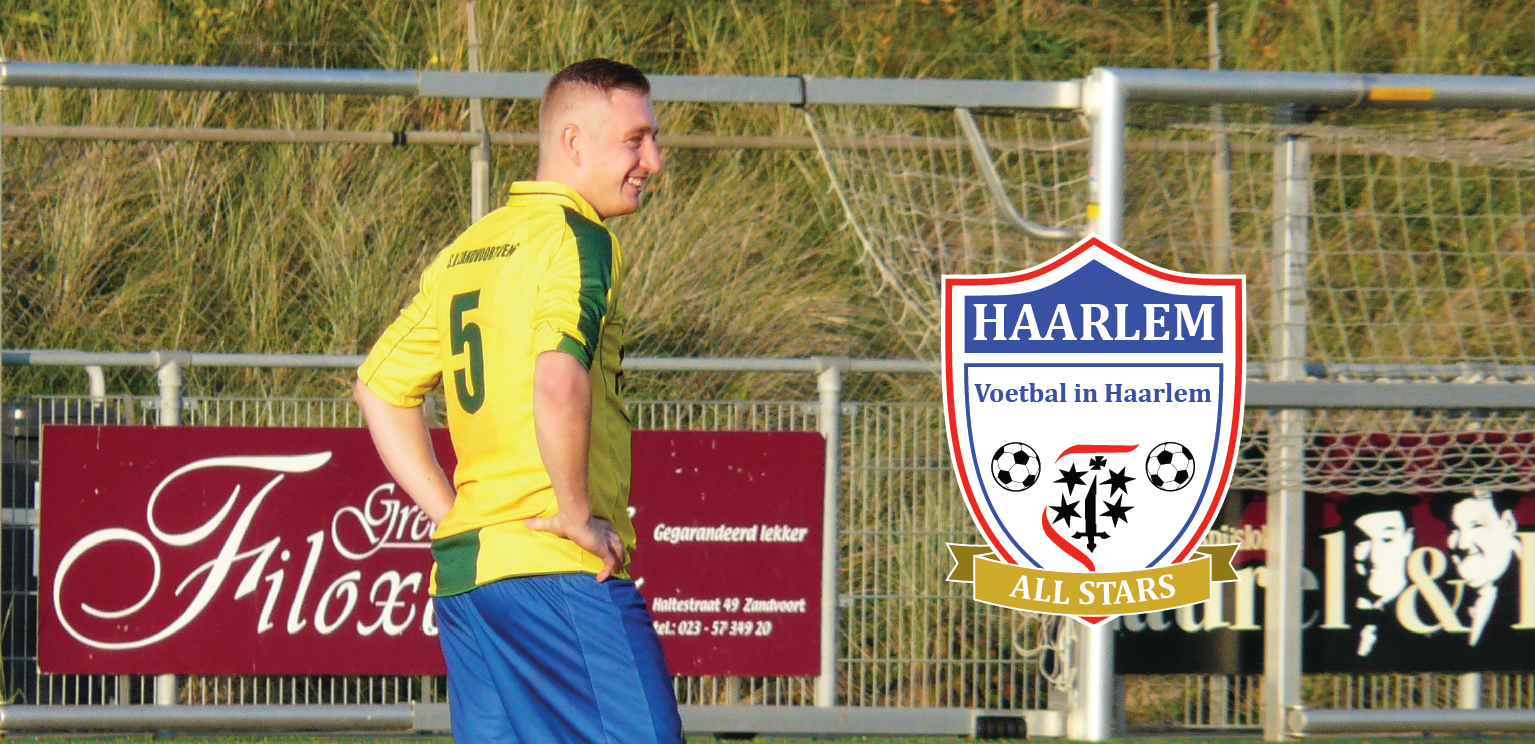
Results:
x,y
1094,405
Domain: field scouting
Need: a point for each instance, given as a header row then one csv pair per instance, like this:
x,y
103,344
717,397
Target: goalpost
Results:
x,y
932,192
1380,247
1383,257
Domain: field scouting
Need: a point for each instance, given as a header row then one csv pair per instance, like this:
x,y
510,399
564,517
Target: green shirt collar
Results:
x,y
553,192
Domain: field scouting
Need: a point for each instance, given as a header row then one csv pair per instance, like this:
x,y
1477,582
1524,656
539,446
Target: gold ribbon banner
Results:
x,y
1091,594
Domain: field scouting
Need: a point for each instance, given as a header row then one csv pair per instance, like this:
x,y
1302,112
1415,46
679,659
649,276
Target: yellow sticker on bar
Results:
x,y
1402,94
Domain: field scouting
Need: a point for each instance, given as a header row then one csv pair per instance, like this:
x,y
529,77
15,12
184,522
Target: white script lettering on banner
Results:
x,y
391,603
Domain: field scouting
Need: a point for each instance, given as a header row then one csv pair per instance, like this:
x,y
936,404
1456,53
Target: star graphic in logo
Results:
x,y
1117,511
1119,482
1098,463
1065,512
1072,477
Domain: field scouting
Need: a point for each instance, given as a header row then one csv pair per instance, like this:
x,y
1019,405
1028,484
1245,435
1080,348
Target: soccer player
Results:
x,y
522,319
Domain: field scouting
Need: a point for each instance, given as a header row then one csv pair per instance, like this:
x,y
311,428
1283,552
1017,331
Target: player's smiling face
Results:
x,y
619,154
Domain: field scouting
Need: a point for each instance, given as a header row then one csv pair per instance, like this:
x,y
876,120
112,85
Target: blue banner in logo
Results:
x,y
1095,310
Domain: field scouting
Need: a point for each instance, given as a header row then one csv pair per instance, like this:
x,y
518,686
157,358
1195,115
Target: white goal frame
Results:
x,y
1104,97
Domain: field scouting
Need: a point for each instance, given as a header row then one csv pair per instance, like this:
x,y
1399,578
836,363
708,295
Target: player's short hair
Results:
x,y
1506,500
599,75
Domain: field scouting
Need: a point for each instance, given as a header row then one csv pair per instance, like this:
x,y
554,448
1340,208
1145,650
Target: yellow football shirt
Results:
x,y
540,274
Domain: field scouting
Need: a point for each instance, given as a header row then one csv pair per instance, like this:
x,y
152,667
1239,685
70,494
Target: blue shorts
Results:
x,y
556,658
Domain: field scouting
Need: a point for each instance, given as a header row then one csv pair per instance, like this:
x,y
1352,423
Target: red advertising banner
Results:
x,y
731,556
290,551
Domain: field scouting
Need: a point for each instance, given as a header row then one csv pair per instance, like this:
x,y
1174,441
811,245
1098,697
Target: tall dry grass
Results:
x,y
119,246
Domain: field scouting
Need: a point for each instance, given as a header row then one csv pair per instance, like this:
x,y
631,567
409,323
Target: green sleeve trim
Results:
x,y
458,559
574,348
594,246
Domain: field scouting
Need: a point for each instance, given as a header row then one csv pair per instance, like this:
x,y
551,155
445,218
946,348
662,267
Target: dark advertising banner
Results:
x,y
1430,572
290,551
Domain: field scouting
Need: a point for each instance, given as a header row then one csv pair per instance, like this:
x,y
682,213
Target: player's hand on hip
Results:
x,y
593,534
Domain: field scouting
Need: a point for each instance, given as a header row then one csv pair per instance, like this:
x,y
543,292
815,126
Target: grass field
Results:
x,y
860,739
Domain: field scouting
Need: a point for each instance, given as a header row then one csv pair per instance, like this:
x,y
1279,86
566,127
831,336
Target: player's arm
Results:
x,y
405,446
392,383
562,421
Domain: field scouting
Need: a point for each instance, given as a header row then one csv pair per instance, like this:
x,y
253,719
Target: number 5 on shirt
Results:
x,y
466,336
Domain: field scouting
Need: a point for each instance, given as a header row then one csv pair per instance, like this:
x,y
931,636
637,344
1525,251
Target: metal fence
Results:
x,y
908,638
1161,702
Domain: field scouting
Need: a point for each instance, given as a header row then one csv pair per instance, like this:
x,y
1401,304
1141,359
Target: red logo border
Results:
x,y
1094,241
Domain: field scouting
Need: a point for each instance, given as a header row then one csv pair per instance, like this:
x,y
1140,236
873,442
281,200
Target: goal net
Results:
x,y
918,206
1420,260
1420,265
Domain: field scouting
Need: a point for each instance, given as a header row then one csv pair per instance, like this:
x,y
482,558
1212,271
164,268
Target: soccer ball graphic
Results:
x,y
1015,467
1170,466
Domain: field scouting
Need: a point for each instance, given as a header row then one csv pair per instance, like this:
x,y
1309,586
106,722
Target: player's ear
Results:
x,y
570,143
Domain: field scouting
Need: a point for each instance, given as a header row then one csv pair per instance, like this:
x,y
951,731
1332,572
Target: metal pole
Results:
x,y
169,375
762,90
1334,90
1220,263
830,424
1287,437
220,718
1103,100
417,137
479,176
1092,711
2,235
1415,721
1470,692
1328,90
1220,165
981,152
95,378
479,154
1319,394
2,218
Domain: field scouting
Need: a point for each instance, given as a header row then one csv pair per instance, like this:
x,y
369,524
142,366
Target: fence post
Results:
x,y
479,154
1287,431
829,422
168,372
1220,163
1470,693
3,324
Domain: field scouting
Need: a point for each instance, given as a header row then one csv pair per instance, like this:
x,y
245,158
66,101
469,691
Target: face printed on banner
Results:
x,y
1482,541
1382,555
